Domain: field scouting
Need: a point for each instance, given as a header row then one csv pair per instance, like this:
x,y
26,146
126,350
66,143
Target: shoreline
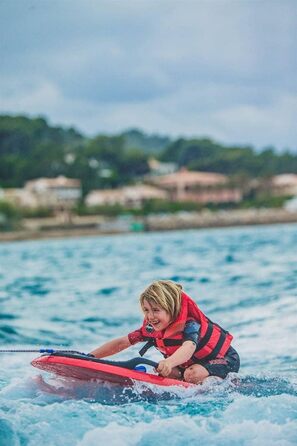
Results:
x,y
151,223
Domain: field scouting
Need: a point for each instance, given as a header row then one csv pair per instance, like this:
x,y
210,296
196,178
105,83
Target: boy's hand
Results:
x,y
164,367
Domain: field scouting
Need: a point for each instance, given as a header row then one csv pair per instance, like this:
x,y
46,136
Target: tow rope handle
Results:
x,y
42,350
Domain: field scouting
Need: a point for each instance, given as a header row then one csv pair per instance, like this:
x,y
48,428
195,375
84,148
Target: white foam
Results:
x,y
186,430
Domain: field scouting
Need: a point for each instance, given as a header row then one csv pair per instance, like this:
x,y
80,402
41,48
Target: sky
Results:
x,y
225,69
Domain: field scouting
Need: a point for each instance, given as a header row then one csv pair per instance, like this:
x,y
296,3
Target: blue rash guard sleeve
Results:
x,y
191,332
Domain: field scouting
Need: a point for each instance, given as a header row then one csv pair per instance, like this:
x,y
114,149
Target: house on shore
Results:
x,y
57,194
199,187
60,192
128,196
19,197
284,184
158,168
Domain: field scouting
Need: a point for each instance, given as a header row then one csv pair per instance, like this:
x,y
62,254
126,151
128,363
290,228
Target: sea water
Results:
x,y
78,293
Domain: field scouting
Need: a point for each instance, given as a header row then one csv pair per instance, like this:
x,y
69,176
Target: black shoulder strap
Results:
x,y
147,346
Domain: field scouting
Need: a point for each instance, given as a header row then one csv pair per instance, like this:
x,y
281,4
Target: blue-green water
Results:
x,y
78,293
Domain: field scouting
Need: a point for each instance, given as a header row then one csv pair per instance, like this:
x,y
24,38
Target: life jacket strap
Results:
x,y
147,346
172,342
206,337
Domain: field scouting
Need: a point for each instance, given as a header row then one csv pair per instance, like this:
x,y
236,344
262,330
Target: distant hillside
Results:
x,y
31,148
19,133
150,144
207,155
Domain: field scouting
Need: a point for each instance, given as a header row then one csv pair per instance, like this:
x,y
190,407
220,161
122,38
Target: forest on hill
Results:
x,y
31,148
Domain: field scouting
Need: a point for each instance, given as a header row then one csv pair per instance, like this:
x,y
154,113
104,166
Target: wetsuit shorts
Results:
x,y
221,366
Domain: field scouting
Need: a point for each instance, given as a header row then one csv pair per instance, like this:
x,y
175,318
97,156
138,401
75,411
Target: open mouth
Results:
x,y
155,323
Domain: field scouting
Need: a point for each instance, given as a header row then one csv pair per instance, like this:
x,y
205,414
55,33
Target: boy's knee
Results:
x,y
195,374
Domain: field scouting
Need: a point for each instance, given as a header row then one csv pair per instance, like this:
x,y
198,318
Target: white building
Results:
x,y
285,184
20,197
161,168
291,205
55,192
129,196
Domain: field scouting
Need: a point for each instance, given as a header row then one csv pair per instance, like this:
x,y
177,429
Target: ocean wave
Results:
x,y
80,293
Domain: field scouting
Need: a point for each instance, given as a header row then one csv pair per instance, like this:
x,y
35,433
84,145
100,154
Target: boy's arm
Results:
x,y
183,354
112,347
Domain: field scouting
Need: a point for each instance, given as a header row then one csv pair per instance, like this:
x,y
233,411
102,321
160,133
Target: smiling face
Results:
x,y
156,315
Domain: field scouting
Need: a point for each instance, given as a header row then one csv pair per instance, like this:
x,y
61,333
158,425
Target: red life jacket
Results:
x,y
213,342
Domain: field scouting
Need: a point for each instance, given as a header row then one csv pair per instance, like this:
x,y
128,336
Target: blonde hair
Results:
x,y
166,294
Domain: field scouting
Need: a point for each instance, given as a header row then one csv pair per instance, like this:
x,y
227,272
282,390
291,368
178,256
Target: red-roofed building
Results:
x,y
200,187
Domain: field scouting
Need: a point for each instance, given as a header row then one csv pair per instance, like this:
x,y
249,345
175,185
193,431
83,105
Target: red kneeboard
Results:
x,y
91,370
